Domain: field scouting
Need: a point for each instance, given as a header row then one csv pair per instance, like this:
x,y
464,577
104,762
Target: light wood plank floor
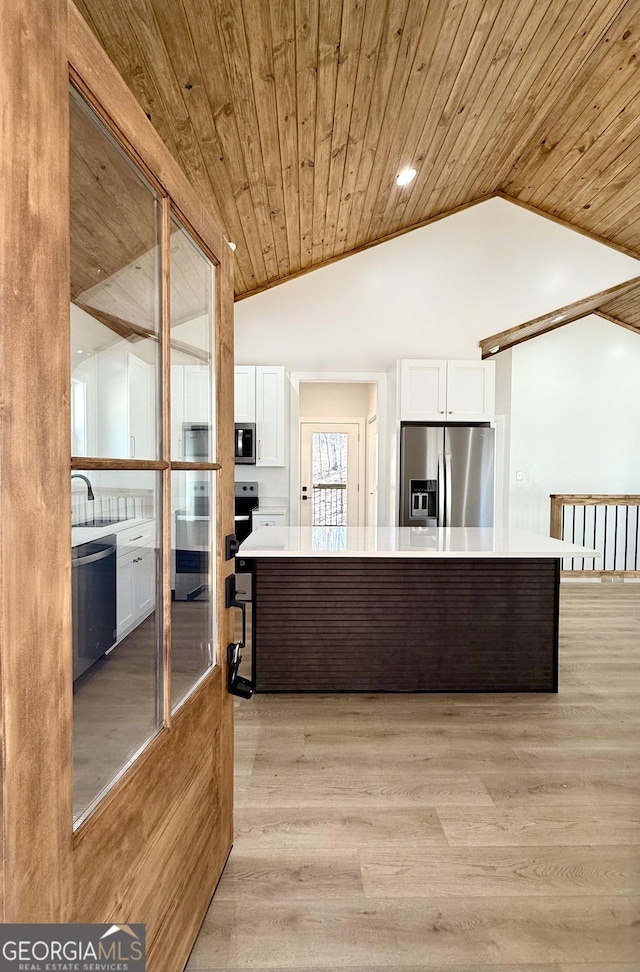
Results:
x,y
476,833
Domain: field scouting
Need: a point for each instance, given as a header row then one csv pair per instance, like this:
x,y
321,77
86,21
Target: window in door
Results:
x,y
143,511
193,441
330,473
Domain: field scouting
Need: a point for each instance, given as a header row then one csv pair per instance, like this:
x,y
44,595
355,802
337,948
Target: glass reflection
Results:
x,y
193,603
115,296
115,604
192,325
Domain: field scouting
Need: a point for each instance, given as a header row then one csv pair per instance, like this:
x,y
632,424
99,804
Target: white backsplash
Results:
x,y
111,505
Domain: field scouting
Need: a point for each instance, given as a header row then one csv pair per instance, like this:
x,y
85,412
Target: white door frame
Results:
x,y
371,377
371,468
362,446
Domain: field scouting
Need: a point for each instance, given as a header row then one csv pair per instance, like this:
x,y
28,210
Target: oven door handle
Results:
x,y
93,557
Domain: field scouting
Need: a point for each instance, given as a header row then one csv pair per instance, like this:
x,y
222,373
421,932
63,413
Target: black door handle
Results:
x,y
236,684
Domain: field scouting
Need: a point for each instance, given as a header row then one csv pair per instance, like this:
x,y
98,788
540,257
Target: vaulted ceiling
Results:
x,y
293,117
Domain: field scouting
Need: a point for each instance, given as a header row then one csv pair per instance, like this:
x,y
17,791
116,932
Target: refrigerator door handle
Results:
x,y
448,490
441,502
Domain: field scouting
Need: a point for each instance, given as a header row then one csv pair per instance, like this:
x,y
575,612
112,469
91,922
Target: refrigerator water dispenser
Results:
x,y
424,494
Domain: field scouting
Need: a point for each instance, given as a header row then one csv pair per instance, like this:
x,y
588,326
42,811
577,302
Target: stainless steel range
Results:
x,y
246,501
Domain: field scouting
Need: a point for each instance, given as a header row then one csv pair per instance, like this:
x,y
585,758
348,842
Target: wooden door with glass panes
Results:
x,y
151,352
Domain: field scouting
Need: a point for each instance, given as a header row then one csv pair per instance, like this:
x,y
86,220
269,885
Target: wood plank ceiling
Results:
x,y
293,117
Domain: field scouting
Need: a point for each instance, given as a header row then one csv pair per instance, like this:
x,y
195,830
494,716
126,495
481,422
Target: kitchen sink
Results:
x,y
101,521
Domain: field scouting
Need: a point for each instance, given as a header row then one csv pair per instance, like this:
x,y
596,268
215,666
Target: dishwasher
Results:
x,y
93,601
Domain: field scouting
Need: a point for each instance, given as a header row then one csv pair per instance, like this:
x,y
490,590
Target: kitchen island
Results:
x,y
384,609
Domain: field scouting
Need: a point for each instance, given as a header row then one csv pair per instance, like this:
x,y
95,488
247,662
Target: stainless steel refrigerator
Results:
x,y
447,475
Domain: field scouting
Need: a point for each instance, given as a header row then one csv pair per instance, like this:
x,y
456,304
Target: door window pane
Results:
x,y
193,604
192,339
329,466
117,706
115,295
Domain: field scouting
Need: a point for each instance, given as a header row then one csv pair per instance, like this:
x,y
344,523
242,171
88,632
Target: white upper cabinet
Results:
x,y
447,391
245,393
260,398
471,391
190,390
177,412
126,422
423,390
270,429
141,404
197,388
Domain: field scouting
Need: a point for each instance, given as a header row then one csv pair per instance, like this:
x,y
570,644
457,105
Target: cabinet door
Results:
x,y
423,390
245,393
144,581
141,399
135,587
125,607
177,412
112,411
470,391
196,394
270,431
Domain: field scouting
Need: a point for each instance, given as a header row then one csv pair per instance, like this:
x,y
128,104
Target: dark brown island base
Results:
x,y
337,609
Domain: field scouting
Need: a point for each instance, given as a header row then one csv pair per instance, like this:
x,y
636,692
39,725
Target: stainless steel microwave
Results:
x,y
245,443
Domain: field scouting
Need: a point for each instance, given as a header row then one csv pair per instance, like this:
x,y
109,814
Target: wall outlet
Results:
x,y
519,475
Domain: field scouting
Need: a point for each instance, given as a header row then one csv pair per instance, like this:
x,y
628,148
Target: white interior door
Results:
x,y
330,472
371,518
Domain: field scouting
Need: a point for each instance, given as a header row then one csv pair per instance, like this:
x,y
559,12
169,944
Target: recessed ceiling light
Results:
x,y
232,244
405,177
80,351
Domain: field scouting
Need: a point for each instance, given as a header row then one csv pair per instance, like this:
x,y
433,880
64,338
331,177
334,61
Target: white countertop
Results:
x,y
403,542
84,534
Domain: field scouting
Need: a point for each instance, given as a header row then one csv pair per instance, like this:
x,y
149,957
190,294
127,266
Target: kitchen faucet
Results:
x,y
90,495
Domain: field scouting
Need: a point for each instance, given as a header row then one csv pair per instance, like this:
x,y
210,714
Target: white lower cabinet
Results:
x,y
135,577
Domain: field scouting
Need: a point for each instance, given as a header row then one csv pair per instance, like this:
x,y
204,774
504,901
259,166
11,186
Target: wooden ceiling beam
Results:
x,y
556,318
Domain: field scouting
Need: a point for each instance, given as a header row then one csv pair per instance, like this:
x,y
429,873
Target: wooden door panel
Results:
x,y
155,848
